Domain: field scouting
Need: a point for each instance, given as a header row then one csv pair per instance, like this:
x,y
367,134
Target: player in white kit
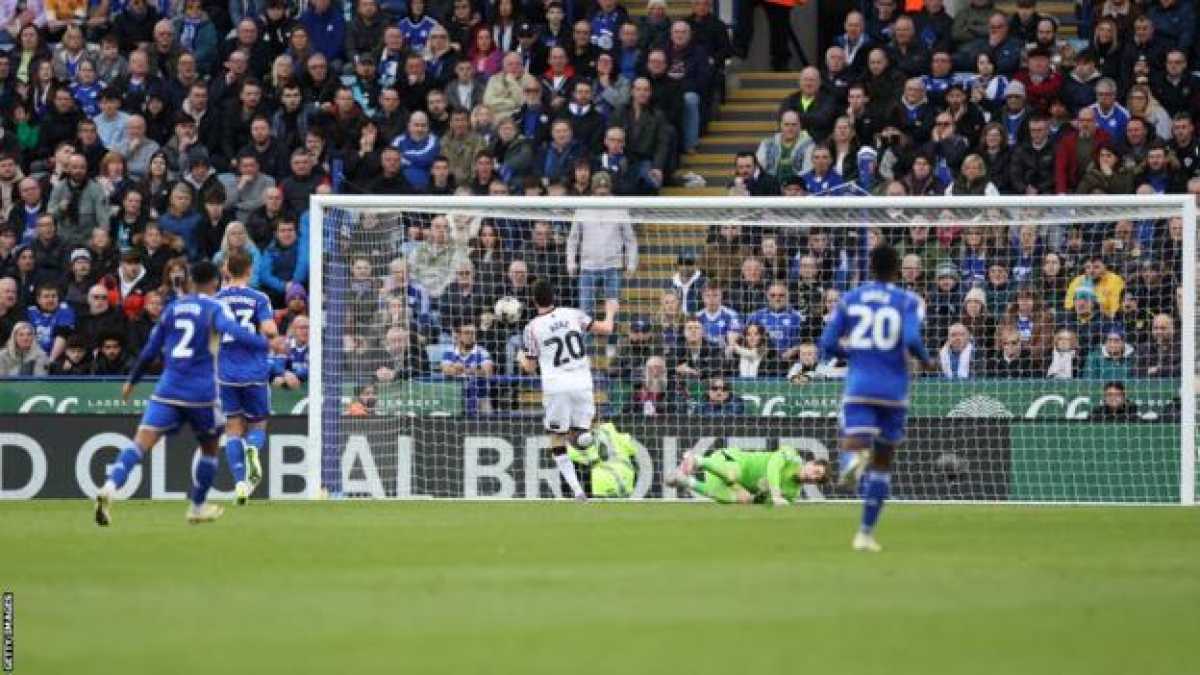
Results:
x,y
554,341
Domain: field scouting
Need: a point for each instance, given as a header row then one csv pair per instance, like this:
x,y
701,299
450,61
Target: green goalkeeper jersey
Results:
x,y
758,472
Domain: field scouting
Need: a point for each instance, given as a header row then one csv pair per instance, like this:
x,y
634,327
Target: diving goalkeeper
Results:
x,y
607,468
735,476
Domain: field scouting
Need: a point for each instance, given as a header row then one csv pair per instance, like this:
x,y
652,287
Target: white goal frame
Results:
x,y
1185,204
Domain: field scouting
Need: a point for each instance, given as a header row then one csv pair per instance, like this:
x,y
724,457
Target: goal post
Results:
x,y
388,419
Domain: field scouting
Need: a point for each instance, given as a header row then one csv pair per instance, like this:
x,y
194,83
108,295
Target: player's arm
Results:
x,y
153,348
777,467
225,324
609,325
913,340
831,337
527,358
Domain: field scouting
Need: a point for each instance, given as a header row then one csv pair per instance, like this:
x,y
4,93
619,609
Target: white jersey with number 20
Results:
x,y
556,340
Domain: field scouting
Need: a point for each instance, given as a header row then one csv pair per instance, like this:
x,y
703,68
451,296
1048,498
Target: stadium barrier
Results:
x,y
1022,399
57,456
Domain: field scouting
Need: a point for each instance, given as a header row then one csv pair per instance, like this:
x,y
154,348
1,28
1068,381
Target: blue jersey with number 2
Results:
x,y
186,336
875,327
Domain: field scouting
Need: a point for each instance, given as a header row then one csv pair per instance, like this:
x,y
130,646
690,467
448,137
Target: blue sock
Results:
x,y
876,486
206,471
257,438
120,469
235,453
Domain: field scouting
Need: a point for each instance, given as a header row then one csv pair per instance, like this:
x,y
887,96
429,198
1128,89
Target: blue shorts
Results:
x,y
206,421
251,401
873,421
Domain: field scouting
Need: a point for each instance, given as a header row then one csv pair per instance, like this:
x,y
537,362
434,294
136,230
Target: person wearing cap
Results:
x,y
641,343
945,301
1114,360
530,49
295,304
1041,82
1105,285
1089,325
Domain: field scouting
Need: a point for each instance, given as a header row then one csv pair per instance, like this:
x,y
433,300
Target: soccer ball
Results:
x,y
508,309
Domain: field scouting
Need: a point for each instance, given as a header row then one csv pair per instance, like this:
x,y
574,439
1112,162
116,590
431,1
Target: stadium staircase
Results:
x,y
746,116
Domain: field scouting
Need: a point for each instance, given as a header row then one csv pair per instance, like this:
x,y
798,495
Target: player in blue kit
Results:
x,y
186,337
243,375
875,327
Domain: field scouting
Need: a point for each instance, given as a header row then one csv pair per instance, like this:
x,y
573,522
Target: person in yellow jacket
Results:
x,y
1107,285
607,467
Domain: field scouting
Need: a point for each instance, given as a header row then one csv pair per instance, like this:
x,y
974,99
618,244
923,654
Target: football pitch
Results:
x,y
564,588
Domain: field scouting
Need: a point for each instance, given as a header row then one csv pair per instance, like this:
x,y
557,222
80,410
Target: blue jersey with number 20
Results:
x,y
875,327
186,336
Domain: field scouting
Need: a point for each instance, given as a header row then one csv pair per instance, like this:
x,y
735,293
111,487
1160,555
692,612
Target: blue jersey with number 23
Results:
x,y
875,327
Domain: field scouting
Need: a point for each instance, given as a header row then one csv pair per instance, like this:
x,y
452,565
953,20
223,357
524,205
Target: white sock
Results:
x,y
108,489
567,468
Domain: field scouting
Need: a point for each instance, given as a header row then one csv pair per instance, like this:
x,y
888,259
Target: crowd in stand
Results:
x,y
139,136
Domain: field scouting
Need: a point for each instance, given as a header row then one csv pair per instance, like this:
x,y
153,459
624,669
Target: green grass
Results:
x,y
442,587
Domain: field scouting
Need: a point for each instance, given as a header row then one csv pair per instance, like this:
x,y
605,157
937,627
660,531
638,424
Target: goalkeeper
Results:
x,y
735,476
607,467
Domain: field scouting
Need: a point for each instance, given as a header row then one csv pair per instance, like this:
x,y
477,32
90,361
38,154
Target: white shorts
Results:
x,y
566,410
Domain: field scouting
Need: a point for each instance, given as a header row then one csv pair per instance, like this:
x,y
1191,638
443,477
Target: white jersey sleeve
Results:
x,y
558,341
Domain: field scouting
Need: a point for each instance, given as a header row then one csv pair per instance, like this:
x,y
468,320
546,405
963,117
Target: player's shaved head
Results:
x,y
543,293
885,262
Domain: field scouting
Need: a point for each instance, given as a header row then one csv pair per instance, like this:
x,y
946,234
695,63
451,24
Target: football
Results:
x,y
508,309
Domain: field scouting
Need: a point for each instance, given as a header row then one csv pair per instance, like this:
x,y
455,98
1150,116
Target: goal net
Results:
x,y
1063,331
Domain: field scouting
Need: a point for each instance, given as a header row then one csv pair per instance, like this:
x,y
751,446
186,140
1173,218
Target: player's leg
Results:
x,y
558,425
233,405
159,419
257,402
877,480
722,464
716,489
206,423
859,428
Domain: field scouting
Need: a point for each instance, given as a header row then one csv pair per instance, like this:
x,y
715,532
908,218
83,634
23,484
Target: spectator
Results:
x,y
816,108
98,317
1079,87
22,355
669,318
749,291
419,148
756,358
434,260
653,394
78,203
720,400
28,205
399,359
295,369
1076,148
1088,324
957,355
1106,286
973,179
785,326
722,326
695,357
11,312
365,399
112,359
1032,170
784,154
1114,360
808,366
632,352
1160,358
326,26
469,361
1033,325
503,93
1012,359
601,245
283,263
750,180
1116,406
688,282
689,65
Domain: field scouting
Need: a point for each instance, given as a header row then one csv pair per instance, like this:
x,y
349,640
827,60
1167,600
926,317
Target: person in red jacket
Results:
x,y
1076,147
1042,82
